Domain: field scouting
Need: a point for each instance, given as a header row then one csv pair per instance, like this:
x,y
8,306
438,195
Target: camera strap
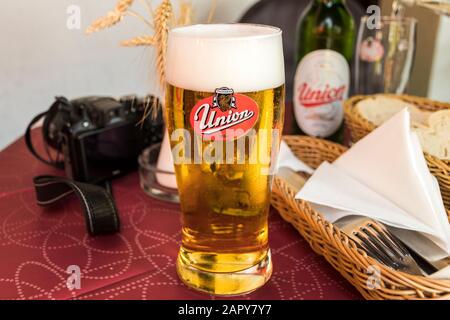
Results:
x,y
28,136
98,205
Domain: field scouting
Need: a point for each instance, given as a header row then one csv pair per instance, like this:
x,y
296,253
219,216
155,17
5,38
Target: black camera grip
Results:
x,y
98,205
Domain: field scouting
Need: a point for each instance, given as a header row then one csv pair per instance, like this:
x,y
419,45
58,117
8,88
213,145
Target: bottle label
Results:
x,y
321,84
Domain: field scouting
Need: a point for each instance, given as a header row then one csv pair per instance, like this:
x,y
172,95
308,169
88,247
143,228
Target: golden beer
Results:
x,y
224,179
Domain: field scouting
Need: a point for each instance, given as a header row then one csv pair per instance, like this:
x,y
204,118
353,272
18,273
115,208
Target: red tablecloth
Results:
x,y
38,244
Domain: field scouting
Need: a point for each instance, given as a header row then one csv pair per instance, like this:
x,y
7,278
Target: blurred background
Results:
x,y
40,57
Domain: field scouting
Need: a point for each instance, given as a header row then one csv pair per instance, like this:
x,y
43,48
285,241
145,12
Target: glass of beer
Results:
x,y
224,114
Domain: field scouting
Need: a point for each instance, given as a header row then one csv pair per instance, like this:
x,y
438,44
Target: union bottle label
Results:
x,y
321,84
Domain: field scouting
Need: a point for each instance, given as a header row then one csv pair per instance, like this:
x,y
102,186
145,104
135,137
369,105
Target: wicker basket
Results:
x,y
340,251
359,127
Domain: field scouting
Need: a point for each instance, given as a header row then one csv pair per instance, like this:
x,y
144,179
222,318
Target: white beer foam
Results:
x,y
244,57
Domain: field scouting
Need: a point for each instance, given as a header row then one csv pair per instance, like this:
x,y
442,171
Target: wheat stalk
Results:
x,y
112,17
139,41
151,108
185,15
163,18
212,11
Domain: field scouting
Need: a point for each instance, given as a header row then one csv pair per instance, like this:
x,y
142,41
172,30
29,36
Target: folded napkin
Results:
x,y
384,176
165,164
443,274
286,158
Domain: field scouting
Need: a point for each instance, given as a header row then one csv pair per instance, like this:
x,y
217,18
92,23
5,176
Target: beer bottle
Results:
x,y
324,47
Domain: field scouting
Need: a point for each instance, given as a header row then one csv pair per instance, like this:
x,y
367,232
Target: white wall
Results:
x,y
41,58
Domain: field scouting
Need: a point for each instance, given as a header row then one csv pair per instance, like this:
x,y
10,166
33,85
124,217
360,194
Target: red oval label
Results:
x,y
224,116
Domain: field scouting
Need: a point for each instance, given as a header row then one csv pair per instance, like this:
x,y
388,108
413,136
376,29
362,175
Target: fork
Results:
x,y
379,243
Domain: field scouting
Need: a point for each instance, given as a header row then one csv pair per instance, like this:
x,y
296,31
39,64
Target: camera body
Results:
x,y
101,137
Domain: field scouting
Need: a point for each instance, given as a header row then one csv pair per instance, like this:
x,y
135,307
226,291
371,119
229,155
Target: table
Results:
x,y
37,245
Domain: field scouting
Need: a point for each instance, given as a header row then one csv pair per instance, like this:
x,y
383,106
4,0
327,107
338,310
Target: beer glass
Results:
x,y
384,55
224,114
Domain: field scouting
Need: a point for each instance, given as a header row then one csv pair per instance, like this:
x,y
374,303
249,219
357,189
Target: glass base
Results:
x,y
225,283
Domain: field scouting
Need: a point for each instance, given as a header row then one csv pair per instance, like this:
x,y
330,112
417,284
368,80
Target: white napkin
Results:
x,y
286,158
443,274
165,163
384,176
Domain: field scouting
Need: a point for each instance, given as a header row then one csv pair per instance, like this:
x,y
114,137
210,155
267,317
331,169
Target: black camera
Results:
x,y
99,137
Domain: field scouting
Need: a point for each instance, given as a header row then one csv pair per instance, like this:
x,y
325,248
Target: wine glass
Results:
x,y
384,54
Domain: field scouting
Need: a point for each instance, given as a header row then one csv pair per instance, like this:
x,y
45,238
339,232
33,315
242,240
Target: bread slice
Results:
x,y
378,109
432,128
435,139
